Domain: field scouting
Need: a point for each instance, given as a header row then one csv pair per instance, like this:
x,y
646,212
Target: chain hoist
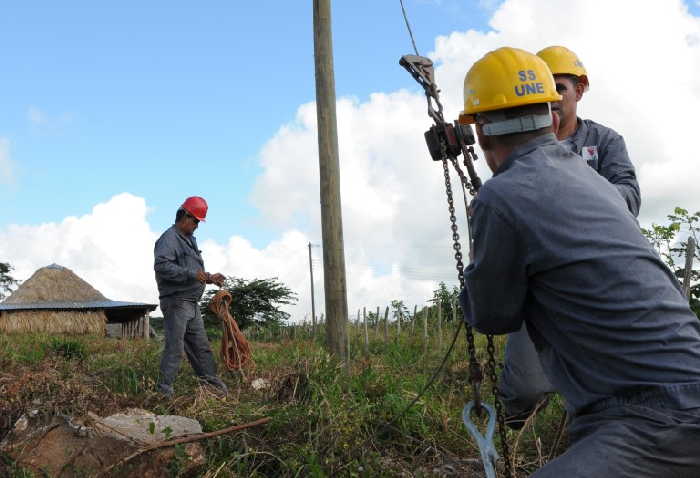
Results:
x,y
445,143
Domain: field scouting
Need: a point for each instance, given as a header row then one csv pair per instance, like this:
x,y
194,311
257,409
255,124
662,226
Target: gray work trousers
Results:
x,y
523,382
184,331
630,441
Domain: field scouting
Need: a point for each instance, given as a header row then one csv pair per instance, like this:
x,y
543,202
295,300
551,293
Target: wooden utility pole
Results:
x,y
331,216
313,300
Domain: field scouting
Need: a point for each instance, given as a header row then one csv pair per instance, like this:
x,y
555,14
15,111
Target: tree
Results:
x,y
6,280
255,302
671,242
446,297
399,310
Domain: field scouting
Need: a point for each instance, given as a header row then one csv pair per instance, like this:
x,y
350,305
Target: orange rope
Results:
x,y
235,349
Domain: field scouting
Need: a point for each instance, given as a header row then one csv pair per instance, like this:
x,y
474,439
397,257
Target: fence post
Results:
x,y
364,319
689,256
386,324
398,324
425,331
347,334
376,325
413,320
439,324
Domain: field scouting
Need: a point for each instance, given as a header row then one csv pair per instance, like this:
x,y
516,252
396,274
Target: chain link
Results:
x,y
500,415
476,374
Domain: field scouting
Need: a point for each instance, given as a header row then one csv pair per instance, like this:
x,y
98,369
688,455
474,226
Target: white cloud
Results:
x,y
395,220
111,248
7,174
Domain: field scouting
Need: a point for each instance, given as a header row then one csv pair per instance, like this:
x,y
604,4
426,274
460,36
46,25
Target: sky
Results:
x,y
111,115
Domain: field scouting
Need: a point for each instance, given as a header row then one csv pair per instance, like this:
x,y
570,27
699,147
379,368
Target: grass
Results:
x,y
327,420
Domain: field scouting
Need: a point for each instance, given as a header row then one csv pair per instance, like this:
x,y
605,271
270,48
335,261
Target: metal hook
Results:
x,y
487,449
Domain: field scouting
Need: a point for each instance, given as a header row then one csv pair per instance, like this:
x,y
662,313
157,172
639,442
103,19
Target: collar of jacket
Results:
x,y
190,241
579,135
523,149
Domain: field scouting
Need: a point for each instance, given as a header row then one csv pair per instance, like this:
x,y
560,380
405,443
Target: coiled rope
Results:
x,y
235,349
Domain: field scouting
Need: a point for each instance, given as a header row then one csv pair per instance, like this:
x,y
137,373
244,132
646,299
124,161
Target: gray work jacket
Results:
x,y
604,150
177,260
556,247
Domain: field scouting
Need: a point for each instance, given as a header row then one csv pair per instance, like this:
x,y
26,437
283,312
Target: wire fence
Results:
x,y
430,327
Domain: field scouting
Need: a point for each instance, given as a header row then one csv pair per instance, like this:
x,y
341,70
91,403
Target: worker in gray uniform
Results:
x,y
601,147
523,384
556,248
181,281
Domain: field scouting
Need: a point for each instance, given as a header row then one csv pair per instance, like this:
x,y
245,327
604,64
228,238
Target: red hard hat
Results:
x,y
196,206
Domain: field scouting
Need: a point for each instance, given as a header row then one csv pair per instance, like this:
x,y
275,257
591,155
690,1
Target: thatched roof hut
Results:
x,y
55,300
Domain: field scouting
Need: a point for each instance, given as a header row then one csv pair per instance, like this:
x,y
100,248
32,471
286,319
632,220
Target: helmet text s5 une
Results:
x,y
508,78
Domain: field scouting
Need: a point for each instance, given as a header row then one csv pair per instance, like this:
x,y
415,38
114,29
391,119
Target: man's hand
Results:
x,y
218,279
202,276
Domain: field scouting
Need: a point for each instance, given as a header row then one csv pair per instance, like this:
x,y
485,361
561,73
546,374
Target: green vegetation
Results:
x,y
6,280
326,420
67,348
671,242
254,302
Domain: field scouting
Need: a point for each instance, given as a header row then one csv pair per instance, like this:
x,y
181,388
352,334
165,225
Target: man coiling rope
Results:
x,y
235,349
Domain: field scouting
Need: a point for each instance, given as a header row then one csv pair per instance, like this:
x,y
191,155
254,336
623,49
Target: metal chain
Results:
x,y
500,416
490,347
475,373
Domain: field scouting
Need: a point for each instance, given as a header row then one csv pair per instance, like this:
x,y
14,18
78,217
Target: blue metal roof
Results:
x,y
91,305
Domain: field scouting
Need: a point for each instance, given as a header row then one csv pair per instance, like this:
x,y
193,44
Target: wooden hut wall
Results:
x,y
136,328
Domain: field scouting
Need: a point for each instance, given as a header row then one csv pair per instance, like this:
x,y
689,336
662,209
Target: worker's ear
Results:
x,y
580,88
555,122
484,140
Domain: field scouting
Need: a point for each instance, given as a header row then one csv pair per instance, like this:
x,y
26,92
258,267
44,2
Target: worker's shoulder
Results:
x,y
500,192
168,235
600,131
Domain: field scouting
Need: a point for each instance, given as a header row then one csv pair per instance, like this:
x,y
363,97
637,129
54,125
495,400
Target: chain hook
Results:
x,y
487,449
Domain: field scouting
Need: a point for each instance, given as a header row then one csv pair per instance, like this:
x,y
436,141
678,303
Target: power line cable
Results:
x,y
408,25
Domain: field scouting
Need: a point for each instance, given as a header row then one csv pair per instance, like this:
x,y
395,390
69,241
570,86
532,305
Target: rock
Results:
x,y
260,384
145,427
21,424
63,447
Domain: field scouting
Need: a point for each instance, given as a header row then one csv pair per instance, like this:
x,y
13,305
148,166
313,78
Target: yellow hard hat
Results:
x,y
506,78
563,61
